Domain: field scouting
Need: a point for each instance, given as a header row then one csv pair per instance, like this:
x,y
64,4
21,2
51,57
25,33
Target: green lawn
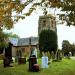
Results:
x,y
65,67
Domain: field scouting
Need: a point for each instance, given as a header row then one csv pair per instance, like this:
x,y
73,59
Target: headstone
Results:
x,y
70,54
44,62
8,55
22,60
34,52
32,61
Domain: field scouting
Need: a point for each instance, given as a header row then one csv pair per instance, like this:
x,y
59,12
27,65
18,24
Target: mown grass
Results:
x,y
64,67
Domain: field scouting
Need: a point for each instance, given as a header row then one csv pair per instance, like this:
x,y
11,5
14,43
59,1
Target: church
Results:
x,y
46,21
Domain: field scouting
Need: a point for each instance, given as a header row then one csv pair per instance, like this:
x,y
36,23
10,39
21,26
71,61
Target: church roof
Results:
x,y
26,41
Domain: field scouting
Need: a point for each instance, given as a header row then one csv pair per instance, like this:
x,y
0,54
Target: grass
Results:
x,y
64,67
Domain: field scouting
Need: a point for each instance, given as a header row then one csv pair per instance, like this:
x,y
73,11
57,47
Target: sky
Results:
x,y
29,27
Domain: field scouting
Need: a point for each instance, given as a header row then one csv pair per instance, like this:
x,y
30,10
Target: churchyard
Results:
x,y
37,63
64,67
27,61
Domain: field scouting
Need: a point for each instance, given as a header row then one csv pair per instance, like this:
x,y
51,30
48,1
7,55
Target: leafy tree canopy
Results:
x,y
48,40
3,42
66,5
73,48
4,38
7,7
7,18
11,35
66,46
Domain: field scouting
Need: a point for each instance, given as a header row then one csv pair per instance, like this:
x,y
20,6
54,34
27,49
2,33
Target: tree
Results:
x,y
7,7
7,18
48,41
69,7
3,40
66,5
11,35
66,47
72,49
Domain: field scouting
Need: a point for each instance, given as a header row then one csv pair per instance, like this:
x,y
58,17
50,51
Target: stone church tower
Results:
x,y
47,22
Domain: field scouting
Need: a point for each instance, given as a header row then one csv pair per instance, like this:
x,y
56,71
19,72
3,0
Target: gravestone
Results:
x,y
8,55
34,52
32,59
22,60
44,62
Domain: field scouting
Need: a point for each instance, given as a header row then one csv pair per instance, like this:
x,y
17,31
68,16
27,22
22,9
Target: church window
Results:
x,y
44,23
